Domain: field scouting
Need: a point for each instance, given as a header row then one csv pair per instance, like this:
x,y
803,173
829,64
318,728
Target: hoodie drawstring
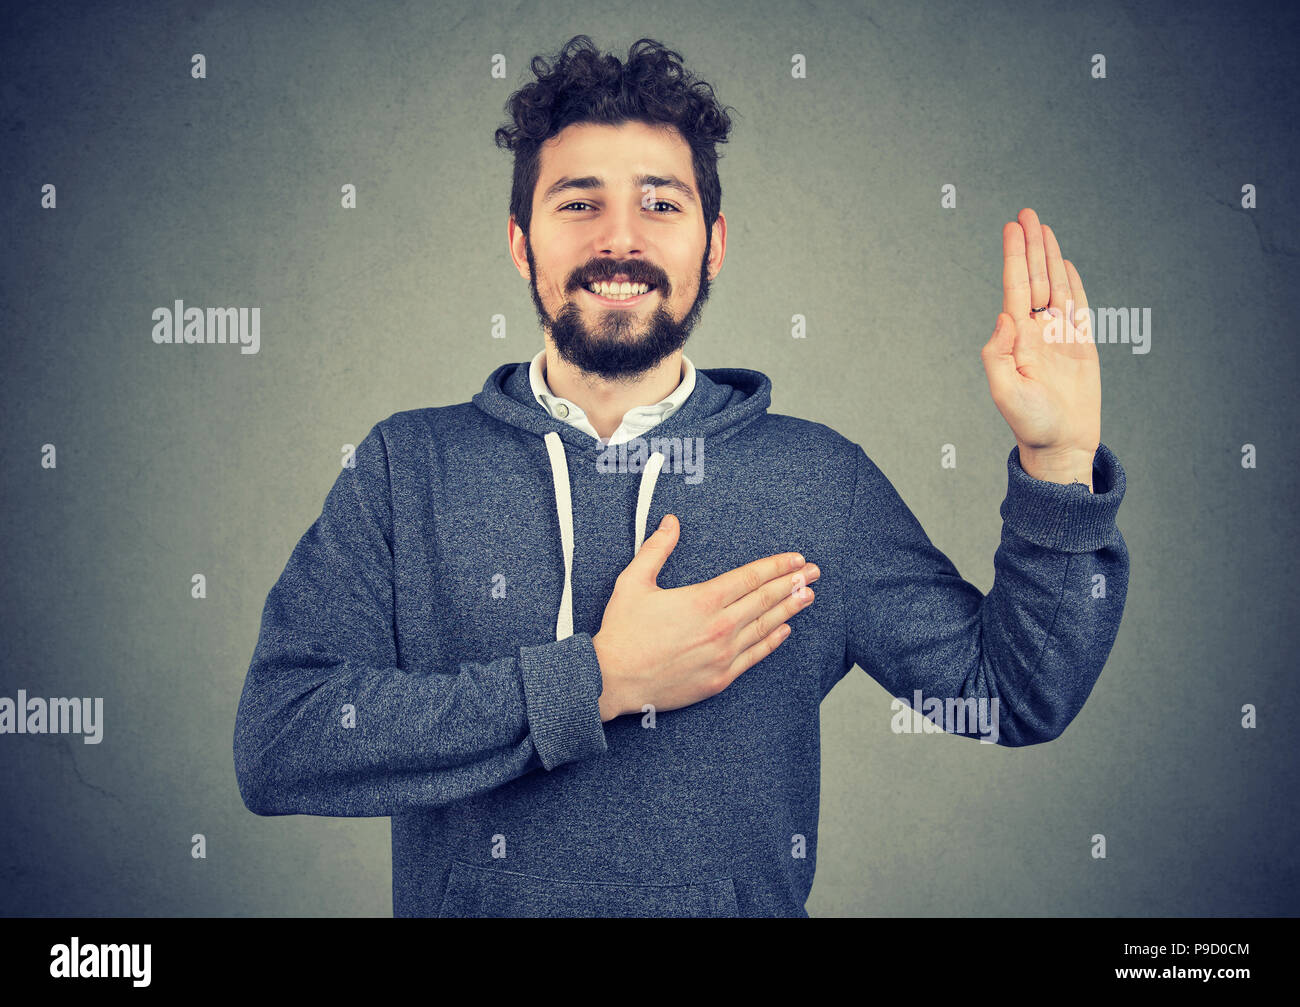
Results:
x,y
564,511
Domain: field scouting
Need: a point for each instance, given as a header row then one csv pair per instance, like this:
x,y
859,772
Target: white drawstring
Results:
x,y
564,511
648,478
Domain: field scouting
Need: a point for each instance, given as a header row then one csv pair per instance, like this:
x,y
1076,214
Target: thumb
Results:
x,y
655,550
999,357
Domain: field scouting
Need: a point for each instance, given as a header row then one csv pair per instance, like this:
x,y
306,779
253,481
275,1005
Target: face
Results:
x,y
618,203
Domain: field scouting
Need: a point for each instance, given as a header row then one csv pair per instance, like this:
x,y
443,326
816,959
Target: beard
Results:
x,y
624,344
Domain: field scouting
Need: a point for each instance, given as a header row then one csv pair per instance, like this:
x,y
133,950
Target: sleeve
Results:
x,y
1033,648
327,724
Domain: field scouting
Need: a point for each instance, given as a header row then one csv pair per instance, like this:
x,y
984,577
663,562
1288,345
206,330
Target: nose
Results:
x,y
620,235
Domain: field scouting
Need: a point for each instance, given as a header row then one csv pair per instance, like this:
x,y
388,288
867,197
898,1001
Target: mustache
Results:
x,y
636,272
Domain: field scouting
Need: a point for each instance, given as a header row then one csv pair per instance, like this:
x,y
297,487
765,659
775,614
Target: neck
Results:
x,y
605,402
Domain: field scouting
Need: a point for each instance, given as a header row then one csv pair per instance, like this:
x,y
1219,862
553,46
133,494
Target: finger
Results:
x,y
764,625
1040,291
755,629
759,651
647,563
768,623
1080,320
728,587
1076,285
1056,274
754,604
999,358
1015,272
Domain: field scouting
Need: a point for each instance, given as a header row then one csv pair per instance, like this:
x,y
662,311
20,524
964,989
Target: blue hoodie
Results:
x,y
426,654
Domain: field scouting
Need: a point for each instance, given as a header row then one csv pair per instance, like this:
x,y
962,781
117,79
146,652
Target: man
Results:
x,y
564,717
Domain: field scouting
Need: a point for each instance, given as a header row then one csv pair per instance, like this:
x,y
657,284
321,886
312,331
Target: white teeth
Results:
x,y
618,291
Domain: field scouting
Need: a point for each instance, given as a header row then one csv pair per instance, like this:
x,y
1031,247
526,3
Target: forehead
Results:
x,y
615,154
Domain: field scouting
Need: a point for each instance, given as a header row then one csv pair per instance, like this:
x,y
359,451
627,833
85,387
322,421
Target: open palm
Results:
x,y
1047,389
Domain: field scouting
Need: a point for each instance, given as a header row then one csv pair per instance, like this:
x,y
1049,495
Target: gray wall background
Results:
x,y
176,460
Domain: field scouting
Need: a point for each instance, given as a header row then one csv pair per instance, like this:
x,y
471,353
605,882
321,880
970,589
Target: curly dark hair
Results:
x,y
582,85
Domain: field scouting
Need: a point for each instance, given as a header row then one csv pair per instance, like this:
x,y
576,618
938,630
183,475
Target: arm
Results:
x,y
327,641
1037,642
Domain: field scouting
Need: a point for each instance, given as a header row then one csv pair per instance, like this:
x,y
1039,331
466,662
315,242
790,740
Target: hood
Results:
x,y
723,402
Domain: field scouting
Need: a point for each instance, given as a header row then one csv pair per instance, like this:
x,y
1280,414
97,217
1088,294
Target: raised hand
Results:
x,y
1042,366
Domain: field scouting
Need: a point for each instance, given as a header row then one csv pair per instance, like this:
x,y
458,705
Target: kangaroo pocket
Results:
x,y
482,891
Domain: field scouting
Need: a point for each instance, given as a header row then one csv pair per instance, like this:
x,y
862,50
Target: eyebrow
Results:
x,y
588,182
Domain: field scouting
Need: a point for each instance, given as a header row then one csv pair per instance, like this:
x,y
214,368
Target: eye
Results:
x,y
656,203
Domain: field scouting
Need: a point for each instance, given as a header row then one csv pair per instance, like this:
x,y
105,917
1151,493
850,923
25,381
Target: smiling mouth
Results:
x,y
621,300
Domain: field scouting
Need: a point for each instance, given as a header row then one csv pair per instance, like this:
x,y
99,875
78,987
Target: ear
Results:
x,y
717,246
515,239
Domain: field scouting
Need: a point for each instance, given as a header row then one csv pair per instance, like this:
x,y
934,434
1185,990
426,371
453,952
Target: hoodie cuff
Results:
x,y
1066,518
562,686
